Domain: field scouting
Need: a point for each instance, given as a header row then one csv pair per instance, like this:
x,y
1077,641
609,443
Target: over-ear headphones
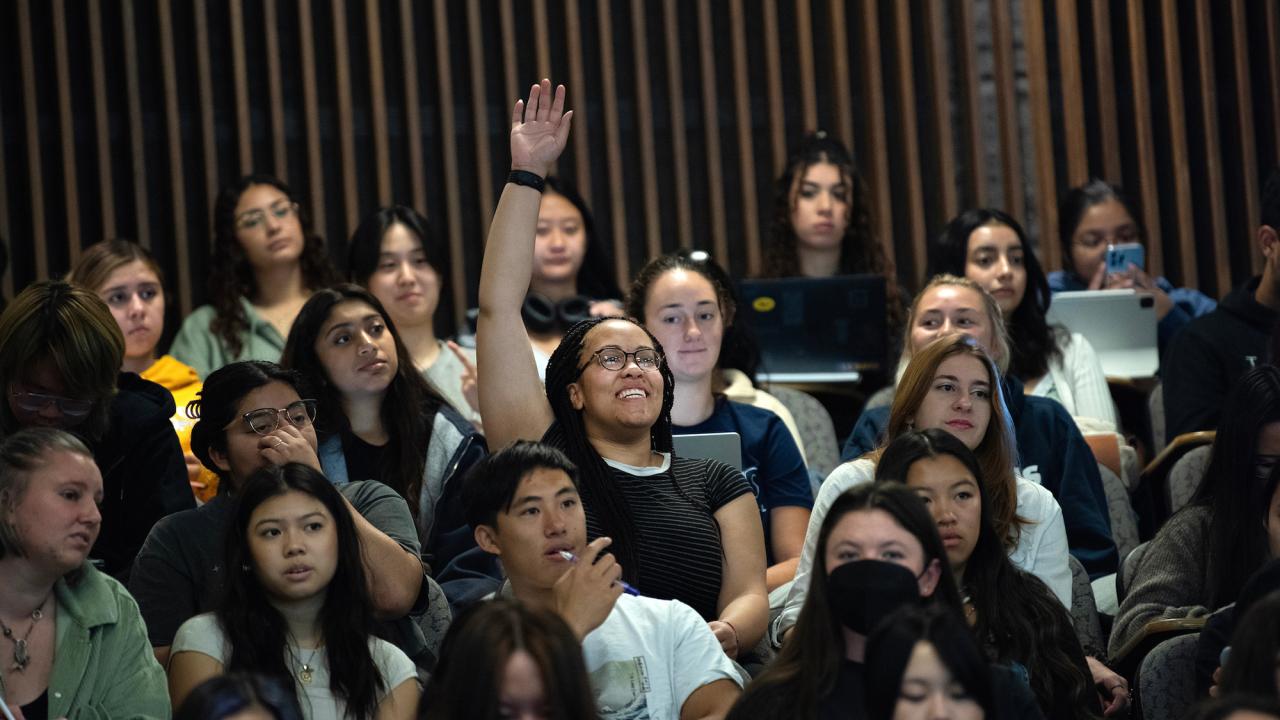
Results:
x,y
543,315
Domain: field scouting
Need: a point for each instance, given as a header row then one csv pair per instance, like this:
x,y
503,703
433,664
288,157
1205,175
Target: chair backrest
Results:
x,y
1167,678
880,398
1128,564
816,429
1124,520
1084,610
1186,476
1155,407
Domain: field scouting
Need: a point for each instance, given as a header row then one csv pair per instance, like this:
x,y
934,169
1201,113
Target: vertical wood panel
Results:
x,y
480,111
1273,62
1042,133
67,141
711,129
6,282
1213,147
679,144
613,142
346,130
1244,112
35,167
137,149
515,84
1104,60
1142,131
938,64
843,89
882,206
1073,107
1006,111
644,121
1178,144
413,111
311,113
177,177
279,149
542,39
453,194
578,86
970,104
746,156
244,130
378,91
808,90
910,137
101,127
773,79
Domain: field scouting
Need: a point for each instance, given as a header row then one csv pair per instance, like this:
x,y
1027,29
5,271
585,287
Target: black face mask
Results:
x,y
864,592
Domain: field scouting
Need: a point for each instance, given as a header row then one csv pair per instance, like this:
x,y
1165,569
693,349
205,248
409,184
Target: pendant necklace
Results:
x,y
307,673
21,655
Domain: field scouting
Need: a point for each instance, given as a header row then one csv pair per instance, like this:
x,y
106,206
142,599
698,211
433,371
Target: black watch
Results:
x,y
527,179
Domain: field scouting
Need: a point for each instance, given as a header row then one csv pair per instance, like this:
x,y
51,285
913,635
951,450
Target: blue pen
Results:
x,y
625,587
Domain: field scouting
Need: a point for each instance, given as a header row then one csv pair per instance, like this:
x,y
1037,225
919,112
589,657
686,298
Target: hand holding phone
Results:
x,y
1120,257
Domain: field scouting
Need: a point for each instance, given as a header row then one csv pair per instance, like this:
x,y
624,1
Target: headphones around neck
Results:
x,y
543,315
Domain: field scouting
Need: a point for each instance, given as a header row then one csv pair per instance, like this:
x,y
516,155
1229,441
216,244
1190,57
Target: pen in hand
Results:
x,y
626,588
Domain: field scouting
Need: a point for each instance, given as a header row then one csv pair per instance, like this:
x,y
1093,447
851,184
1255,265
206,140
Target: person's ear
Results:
x,y
929,579
575,396
1268,241
487,539
219,458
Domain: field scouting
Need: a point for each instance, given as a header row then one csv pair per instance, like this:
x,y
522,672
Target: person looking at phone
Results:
x,y
1209,356
1103,248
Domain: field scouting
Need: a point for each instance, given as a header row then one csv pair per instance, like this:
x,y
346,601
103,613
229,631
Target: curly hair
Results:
x,y
231,276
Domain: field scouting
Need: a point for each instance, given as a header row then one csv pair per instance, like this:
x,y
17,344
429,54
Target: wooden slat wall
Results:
x,y
686,113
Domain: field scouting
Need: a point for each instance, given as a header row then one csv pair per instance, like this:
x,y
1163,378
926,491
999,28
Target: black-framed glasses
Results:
x,y
254,219
264,421
35,402
611,357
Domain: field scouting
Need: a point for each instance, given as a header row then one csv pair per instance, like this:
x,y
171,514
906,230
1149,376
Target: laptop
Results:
x,y
1120,324
725,447
816,330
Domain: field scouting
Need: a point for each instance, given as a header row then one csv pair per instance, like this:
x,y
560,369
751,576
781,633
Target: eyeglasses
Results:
x,y
264,421
254,219
34,402
615,358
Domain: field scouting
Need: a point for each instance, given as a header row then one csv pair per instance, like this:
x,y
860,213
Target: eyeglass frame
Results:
x,y
627,358
309,404
47,399
252,219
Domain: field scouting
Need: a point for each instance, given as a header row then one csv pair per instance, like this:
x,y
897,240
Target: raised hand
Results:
x,y
539,129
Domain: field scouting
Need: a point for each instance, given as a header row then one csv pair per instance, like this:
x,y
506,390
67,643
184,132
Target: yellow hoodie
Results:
x,y
184,384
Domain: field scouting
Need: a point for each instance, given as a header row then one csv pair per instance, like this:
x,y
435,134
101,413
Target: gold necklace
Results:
x,y
307,673
21,654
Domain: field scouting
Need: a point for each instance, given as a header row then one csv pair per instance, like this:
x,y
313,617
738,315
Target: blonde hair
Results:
x,y
999,349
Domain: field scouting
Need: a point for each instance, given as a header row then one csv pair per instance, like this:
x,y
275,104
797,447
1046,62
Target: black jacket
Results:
x,y
1209,355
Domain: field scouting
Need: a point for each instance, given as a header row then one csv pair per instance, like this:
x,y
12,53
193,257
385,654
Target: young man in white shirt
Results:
x,y
647,658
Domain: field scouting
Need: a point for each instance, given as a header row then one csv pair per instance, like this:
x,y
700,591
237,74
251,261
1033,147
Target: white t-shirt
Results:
x,y
648,657
203,634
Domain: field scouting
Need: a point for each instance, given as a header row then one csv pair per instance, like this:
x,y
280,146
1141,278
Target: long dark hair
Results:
x,y
568,434
1251,668
1034,342
1236,496
808,665
889,649
1018,617
408,408
256,631
1076,203
366,247
230,274
596,277
473,658
223,696
218,405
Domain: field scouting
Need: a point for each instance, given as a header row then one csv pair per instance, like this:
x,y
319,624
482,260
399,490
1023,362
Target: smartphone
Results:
x,y
1120,257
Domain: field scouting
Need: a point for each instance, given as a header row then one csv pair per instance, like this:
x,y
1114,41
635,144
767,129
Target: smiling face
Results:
x,y
268,227
820,207
1106,223
948,309
293,544
357,350
56,519
560,245
629,399
403,281
995,261
683,312
958,400
874,534
136,300
545,518
951,493
929,692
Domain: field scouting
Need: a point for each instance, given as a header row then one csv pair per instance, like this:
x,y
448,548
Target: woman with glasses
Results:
x,y
266,262
381,420
1204,554
60,357
681,528
1093,217
689,311
251,415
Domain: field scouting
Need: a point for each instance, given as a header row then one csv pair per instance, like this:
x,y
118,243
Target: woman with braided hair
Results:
x,y
682,529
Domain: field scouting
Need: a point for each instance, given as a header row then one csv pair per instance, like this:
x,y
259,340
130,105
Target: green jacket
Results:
x,y
197,346
103,668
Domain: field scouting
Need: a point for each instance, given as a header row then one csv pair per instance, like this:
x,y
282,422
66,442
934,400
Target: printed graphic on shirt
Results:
x,y
1032,473
622,689
751,474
